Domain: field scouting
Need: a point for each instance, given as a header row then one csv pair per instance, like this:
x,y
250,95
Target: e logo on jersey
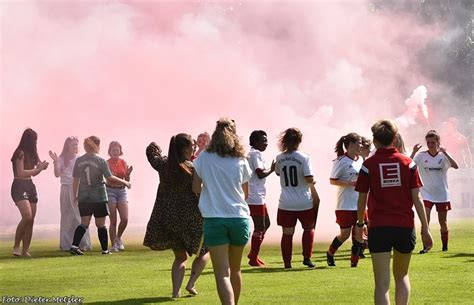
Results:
x,y
390,174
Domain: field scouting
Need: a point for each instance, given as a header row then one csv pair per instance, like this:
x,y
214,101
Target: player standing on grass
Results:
x,y
88,185
391,183
299,199
344,174
434,164
257,192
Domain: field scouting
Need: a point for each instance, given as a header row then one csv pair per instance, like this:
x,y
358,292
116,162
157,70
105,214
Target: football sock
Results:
x,y
307,241
286,249
336,243
78,234
103,237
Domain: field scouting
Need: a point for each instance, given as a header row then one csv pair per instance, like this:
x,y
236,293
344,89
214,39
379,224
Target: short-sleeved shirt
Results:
x,y
346,169
91,169
295,193
222,194
257,190
433,172
388,177
66,170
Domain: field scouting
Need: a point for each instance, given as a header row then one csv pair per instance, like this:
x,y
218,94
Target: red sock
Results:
x,y
286,249
257,239
336,243
307,241
444,238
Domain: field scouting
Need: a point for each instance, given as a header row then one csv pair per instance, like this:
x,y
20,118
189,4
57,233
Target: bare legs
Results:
x,y
196,269
24,230
178,270
226,261
381,267
114,231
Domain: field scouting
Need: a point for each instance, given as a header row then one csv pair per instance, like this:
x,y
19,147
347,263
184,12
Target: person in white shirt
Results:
x,y
299,199
345,171
70,218
221,178
257,192
433,165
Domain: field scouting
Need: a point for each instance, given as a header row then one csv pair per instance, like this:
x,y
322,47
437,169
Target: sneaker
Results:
x,y
75,251
115,248
330,260
119,244
423,251
106,252
307,262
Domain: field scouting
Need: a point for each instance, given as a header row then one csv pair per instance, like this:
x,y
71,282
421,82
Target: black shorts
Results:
x,y
98,209
24,189
382,239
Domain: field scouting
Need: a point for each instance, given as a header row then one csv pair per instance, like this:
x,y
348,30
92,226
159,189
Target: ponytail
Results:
x,y
345,141
339,149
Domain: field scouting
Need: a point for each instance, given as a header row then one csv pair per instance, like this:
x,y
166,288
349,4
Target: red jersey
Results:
x,y
388,177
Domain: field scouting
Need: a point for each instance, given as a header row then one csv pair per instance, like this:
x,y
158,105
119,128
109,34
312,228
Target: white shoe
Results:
x,y
114,248
119,245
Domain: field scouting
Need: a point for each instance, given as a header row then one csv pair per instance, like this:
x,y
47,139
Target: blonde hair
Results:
x,y
92,144
224,140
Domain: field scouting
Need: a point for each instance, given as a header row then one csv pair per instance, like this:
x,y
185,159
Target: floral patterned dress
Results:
x,y
175,222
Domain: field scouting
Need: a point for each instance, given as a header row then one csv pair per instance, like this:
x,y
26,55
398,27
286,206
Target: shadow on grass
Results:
x,y
456,255
151,300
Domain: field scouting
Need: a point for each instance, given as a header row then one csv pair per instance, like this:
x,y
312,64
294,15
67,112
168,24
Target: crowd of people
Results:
x,y
210,189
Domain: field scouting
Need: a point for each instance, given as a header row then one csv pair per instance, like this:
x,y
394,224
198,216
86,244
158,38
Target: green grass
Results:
x,y
141,276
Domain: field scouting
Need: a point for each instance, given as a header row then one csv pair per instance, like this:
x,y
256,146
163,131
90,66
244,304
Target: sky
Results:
x,y
142,71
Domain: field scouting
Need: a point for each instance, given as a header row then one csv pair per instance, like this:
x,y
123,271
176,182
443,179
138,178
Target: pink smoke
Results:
x,y
142,71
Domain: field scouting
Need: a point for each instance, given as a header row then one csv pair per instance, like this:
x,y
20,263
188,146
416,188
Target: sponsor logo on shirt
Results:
x,y
390,174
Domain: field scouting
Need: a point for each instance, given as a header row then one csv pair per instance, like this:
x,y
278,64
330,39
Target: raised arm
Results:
x,y
153,153
453,162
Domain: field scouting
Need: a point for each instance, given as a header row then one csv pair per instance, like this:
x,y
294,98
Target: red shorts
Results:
x,y
287,219
440,206
258,210
346,219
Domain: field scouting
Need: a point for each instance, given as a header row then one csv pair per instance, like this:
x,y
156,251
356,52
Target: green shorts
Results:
x,y
224,231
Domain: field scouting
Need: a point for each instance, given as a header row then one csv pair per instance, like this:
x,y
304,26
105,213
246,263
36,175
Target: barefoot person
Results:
x,y
117,195
176,222
390,182
298,199
26,164
89,191
257,192
70,217
221,177
434,164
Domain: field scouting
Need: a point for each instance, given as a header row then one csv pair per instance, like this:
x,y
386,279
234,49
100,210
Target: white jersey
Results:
x,y
346,169
222,194
257,190
295,192
433,173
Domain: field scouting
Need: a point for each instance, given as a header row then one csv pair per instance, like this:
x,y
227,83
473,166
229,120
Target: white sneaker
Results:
x,y
115,248
119,245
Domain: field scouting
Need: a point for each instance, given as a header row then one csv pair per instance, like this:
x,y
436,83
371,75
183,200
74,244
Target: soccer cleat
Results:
x,y
256,262
288,267
75,251
307,262
106,252
353,265
330,260
423,251
445,248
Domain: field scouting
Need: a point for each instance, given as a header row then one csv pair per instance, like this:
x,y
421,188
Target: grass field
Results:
x,y
141,276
